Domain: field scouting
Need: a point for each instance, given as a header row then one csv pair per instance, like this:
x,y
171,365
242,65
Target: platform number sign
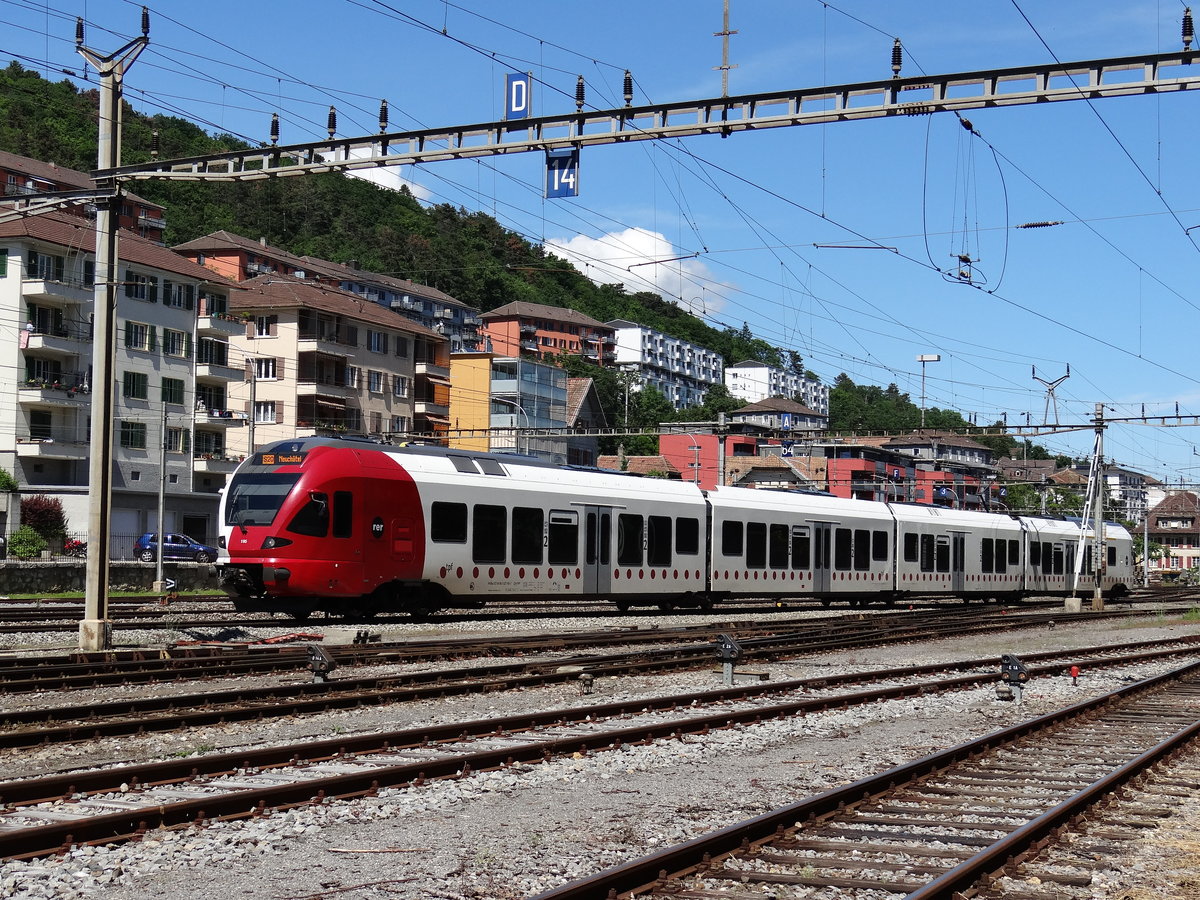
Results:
x,y
562,173
517,95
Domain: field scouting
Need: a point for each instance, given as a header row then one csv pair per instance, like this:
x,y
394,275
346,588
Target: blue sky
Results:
x,y
1111,292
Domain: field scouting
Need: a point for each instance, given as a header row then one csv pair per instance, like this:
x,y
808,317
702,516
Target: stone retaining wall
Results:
x,y
51,576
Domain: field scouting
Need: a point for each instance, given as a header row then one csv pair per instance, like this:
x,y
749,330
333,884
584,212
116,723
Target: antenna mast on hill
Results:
x,y
1050,398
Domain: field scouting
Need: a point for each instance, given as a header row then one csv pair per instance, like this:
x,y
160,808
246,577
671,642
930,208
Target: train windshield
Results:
x,y
255,497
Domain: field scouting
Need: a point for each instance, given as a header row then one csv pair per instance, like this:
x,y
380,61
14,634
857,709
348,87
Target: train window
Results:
x,y
943,553
927,552
605,538
464,464
313,517
490,466
842,555
910,547
254,498
448,523
1001,556
1068,559
731,538
629,540
1057,559
658,540
777,546
564,537
343,514
589,539
986,556
1035,554
862,549
756,545
1014,553
879,546
801,547
1112,555
527,536
488,530
687,536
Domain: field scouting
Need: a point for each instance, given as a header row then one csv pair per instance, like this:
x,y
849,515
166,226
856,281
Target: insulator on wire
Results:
x,y
897,58
332,124
1189,30
154,145
79,31
628,88
383,116
579,94
274,128
145,22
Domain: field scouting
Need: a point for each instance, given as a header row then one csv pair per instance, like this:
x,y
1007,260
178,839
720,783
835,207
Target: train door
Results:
x,y
597,549
958,557
822,563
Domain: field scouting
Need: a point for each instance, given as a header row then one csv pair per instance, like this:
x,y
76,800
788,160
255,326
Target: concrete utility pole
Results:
x,y
1100,559
95,631
159,584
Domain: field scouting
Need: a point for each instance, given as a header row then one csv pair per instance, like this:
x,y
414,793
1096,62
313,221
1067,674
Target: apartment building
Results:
x,y
318,360
680,370
545,332
23,176
240,258
168,309
753,381
1175,525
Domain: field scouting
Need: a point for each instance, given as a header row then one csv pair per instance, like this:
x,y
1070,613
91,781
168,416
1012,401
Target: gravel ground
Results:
x,y
511,834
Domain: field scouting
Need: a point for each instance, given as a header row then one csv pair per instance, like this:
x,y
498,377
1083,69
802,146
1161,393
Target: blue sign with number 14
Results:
x,y
562,173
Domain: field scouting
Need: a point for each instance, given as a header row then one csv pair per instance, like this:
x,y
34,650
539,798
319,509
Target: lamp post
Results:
x,y
923,359
521,410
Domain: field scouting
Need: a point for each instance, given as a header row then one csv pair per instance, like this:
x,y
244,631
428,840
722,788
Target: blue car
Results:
x,y
178,546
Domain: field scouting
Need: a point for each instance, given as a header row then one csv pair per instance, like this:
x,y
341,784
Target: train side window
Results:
x,y
731,538
491,467
488,530
1001,556
756,545
986,556
1112,555
777,546
589,539
880,546
862,549
1058,559
1068,559
313,517
911,542
927,552
658,540
464,464
564,537
343,514
801,547
943,553
842,549
687,537
605,538
629,540
527,535
1048,558
448,523
1014,553
1035,554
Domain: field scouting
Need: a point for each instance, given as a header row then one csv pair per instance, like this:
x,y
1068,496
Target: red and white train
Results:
x,y
352,526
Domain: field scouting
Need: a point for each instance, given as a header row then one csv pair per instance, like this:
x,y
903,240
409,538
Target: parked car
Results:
x,y
178,546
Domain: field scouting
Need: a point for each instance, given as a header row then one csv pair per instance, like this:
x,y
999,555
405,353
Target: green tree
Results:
x,y
45,516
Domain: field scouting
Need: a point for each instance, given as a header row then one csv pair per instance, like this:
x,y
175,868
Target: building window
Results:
x,y
401,346
375,382
135,386
178,440
45,267
172,390
179,296
376,422
176,343
264,412
133,435
353,377
4,264
377,341
399,424
400,386
265,326
139,336
265,369
141,287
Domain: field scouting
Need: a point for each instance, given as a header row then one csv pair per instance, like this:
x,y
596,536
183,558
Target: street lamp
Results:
x,y
520,409
922,359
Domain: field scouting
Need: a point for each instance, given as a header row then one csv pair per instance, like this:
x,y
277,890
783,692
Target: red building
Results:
x,y
545,332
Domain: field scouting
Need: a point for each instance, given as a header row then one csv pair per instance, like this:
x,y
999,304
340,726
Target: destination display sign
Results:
x,y
280,459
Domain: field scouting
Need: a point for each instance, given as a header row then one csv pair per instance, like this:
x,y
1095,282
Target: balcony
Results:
x,y
215,371
63,340
58,443
67,390
223,324
220,418
45,290
215,463
150,220
327,342
309,385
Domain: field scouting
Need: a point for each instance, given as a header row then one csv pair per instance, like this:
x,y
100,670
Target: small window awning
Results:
x,y
437,379
440,420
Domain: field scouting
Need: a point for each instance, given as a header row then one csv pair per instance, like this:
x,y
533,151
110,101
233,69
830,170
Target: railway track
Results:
x,y
970,821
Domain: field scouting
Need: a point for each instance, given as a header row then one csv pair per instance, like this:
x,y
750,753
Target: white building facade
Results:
x,y
682,371
754,381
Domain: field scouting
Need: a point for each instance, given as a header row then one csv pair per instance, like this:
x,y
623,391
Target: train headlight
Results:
x,y
274,543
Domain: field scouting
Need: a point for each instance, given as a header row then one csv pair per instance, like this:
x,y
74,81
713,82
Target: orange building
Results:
x,y
544,332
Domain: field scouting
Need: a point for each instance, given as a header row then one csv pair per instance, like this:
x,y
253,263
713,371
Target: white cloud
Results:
x,y
386,176
643,260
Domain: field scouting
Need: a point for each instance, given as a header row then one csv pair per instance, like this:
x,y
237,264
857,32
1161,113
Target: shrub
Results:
x,y
8,484
45,516
26,543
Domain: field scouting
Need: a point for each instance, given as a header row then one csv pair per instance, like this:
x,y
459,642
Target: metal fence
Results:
x,y
120,545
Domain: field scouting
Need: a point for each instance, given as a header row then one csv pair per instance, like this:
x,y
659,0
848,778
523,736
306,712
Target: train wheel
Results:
x,y
299,615
704,601
666,605
622,605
